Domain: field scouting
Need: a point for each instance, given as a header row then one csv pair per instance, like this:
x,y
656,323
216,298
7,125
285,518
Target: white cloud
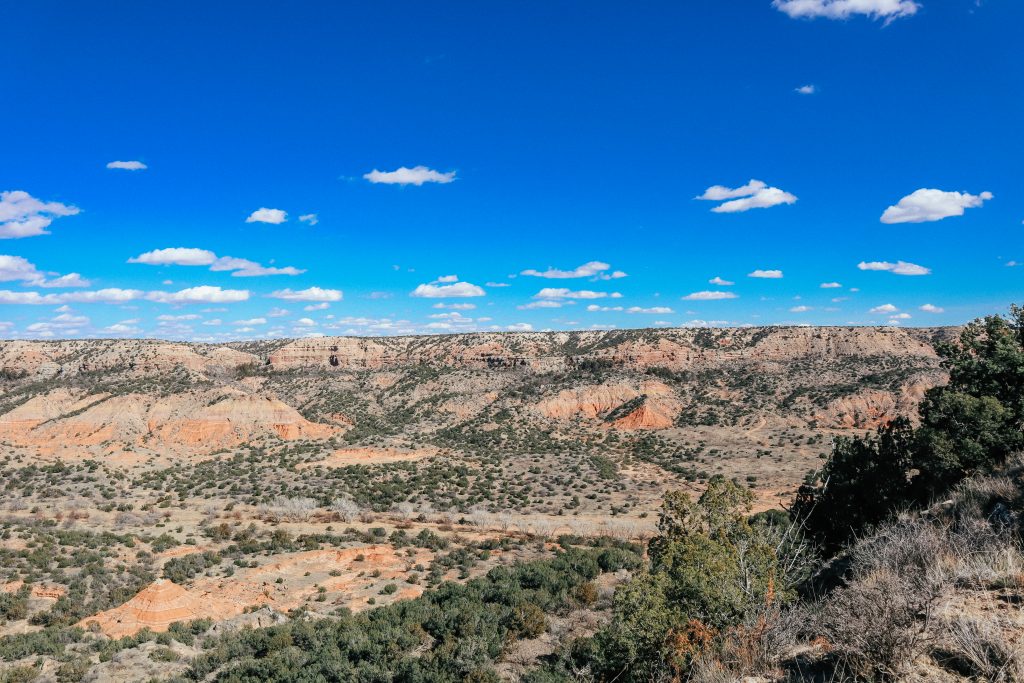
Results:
x,y
593,308
309,218
112,295
310,294
564,293
929,308
799,309
520,327
455,307
409,176
545,303
766,274
265,215
245,268
720,282
717,193
448,278
178,256
251,321
22,215
657,310
830,285
754,195
317,307
806,89
306,322
201,294
128,165
497,284
844,9
594,269
69,280
186,256
64,324
17,268
122,328
176,318
884,308
900,316
454,290
710,296
277,312
898,268
926,205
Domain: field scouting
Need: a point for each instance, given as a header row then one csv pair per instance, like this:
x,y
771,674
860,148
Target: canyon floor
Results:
x,y
148,482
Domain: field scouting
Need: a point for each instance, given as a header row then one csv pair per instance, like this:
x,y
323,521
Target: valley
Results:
x,y
147,484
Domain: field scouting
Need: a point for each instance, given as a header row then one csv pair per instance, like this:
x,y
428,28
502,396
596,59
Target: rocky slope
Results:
x,y
108,394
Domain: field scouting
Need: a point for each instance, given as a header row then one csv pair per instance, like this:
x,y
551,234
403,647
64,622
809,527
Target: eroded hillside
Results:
x,y
634,407
144,483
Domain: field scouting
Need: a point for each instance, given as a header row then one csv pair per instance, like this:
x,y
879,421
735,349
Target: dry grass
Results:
x,y
983,645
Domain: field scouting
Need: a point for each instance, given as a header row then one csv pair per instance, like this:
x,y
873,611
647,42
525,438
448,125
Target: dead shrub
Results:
x,y
755,647
984,647
876,623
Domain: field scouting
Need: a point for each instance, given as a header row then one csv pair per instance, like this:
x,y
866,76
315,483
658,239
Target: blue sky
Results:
x,y
438,150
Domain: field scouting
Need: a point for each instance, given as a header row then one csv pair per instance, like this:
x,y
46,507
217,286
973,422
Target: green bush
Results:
x,y
969,426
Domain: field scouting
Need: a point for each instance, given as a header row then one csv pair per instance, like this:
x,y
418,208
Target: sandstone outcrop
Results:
x,y
287,582
674,349
155,607
202,421
140,397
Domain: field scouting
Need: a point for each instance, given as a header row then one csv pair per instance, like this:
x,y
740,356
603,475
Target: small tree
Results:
x,y
709,569
863,481
970,425
345,508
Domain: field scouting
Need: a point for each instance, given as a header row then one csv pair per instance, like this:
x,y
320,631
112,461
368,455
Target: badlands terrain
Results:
x,y
150,484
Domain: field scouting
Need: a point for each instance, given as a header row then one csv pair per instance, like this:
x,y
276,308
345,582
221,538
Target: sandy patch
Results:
x,y
368,456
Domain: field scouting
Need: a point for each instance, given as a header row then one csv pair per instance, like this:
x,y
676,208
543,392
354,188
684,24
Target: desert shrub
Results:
x,y
19,674
614,559
72,670
455,632
345,508
710,570
285,509
969,426
164,654
863,482
181,569
186,632
873,625
985,649
751,648
14,606
974,422
49,641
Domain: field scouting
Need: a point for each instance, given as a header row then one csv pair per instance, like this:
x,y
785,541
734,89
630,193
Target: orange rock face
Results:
x,y
156,607
199,399
656,407
345,571
646,416
674,349
181,420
